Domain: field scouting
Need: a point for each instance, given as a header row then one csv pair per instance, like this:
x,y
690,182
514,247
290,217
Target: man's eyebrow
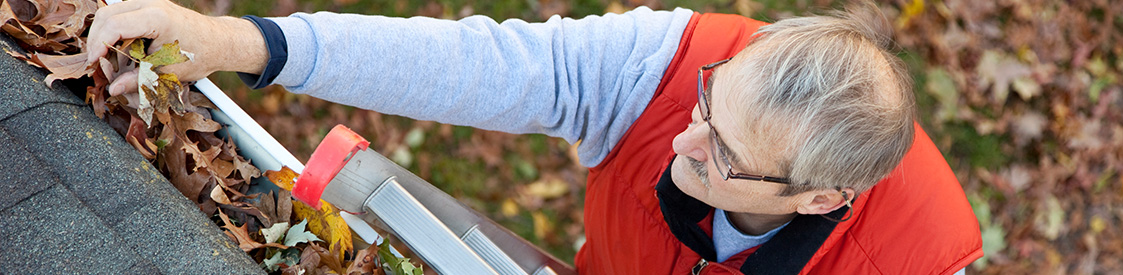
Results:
x,y
734,159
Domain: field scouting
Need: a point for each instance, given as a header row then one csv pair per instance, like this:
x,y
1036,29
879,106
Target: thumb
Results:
x,y
125,83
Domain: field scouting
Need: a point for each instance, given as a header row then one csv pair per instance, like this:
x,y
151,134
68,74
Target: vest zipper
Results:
x,y
702,263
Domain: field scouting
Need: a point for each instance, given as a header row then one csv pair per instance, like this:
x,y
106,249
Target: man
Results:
x,y
768,166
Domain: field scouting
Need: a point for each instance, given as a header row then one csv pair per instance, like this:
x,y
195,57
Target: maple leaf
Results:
x,y
297,234
272,263
397,265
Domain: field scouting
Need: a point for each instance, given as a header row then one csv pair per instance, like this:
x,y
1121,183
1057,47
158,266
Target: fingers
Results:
x,y
126,82
125,20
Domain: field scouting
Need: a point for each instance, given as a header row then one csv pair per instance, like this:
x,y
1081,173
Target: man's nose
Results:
x,y
693,142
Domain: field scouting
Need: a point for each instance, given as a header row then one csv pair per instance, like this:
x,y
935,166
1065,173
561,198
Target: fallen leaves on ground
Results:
x,y
1027,97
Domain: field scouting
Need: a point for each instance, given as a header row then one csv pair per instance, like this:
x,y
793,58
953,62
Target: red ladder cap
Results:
x,y
330,157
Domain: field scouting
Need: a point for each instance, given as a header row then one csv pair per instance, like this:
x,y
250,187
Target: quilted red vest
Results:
x,y
916,221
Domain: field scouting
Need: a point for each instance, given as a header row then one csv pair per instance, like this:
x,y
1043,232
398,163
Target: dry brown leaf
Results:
x,y
218,166
245,211
189,182
47,25
242,236
62,66
96,94
219,196
366,262
245,168
268,206
284,205
137,137
76,23
22,10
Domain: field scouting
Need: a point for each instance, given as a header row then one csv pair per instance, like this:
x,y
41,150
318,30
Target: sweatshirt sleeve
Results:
x,y
582,80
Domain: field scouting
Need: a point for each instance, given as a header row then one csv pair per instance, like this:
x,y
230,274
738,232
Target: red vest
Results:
x,y
916,221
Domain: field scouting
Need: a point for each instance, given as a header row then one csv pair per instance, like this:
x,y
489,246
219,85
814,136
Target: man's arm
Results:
x,y
586,79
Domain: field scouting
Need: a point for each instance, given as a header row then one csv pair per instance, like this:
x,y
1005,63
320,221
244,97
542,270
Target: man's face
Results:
x,y
696,174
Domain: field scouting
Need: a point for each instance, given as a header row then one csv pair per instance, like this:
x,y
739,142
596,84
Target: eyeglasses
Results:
x,y
704,107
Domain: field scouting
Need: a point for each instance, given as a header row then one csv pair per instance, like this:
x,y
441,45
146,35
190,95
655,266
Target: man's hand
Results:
x,y
219,43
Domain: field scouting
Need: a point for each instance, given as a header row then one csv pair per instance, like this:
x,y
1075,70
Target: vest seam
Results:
x,y
952,268
864,252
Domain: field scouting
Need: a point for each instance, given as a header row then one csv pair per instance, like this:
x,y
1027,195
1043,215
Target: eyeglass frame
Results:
x,y
704,108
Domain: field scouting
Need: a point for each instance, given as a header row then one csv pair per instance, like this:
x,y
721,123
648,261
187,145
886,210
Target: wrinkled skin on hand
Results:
x,y
213,40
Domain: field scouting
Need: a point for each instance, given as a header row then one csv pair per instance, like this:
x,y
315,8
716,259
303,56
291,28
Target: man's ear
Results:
x,y
824,201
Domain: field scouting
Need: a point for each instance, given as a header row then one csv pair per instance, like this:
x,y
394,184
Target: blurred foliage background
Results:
x,y
1022,96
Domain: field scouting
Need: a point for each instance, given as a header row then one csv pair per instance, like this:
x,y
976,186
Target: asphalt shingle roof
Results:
x,y
76,198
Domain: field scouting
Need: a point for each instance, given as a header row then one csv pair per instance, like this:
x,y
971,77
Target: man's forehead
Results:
x,y
739,134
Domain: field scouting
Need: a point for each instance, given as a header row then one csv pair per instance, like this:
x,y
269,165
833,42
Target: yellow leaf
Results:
x,y
548,189
615,7
509,208
542,225
910,11
327,224
1097,224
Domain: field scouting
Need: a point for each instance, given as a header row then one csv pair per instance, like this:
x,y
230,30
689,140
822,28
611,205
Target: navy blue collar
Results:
x,y
787,253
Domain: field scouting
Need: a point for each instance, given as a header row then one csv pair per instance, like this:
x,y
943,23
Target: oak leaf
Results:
x,y
366,262
242,237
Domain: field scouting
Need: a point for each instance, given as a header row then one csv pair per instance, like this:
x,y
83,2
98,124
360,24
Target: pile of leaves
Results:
x,y
170,126
1027,97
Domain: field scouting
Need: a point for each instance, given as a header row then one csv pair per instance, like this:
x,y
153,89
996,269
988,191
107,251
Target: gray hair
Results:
x,y
830,89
